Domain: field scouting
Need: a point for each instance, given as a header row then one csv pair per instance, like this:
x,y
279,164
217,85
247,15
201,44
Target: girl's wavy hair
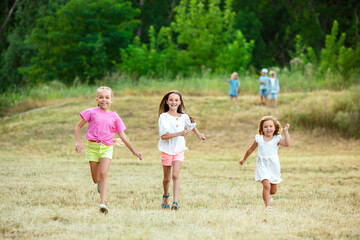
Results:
x,y
276,124
106,88
164,107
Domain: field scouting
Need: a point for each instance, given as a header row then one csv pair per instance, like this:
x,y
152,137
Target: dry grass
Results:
x,y
47,193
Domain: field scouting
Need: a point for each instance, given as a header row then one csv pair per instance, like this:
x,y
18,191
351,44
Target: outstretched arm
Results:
x,y
79,147
248,152
286,142
199,134
172,135
128,144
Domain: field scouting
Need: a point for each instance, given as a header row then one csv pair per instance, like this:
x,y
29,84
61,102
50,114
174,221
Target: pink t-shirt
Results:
x,y
102,125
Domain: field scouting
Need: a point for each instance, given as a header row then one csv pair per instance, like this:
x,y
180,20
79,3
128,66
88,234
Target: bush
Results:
x,y
335,111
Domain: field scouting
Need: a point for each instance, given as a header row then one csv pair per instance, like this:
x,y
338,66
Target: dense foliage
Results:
x,y
43,40
82,40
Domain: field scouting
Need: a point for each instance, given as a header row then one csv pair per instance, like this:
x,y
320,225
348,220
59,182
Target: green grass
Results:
x,y
47,193
29,97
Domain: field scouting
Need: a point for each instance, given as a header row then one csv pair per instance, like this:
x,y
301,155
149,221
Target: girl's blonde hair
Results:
x,y
234,75
164,107
106,88
276,124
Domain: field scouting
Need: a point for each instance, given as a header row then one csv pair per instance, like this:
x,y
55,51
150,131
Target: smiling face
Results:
x,y
173,102
268,128
104,99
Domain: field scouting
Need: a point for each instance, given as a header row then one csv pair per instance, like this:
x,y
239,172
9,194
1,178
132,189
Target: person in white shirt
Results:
x,y
273,89
174,125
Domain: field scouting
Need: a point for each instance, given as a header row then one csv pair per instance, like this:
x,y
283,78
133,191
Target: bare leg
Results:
x,y
103,169
263,100
176,179
237,101
166,182
266,192
273,189
271,103
94,168
231,101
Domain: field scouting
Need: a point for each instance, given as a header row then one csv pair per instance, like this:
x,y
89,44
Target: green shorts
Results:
x,y
95,151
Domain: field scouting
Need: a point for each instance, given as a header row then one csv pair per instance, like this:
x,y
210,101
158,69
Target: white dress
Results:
x,y
267,162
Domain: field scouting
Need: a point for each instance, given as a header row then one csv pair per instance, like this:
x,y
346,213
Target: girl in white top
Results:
x,y
267,163
174,125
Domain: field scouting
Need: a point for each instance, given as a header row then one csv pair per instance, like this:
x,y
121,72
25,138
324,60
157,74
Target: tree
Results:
x,y
16,52
82,40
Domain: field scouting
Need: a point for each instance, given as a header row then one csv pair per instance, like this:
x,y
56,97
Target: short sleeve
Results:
x,y
163,126
188,124
257,137
119,125
278,138
86,115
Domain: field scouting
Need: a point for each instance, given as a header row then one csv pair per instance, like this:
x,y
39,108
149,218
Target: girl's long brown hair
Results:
x,y
164,107
276,124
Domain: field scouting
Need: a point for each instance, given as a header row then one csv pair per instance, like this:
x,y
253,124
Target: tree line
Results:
x,y
44,40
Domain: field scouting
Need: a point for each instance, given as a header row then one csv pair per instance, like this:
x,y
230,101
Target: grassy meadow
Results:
x,y
47,191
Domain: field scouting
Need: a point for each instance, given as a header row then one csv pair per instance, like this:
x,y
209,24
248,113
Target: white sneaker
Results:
x,y
238,107
103,208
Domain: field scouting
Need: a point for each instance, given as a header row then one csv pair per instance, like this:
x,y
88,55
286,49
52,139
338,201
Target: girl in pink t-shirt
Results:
x,y
103,123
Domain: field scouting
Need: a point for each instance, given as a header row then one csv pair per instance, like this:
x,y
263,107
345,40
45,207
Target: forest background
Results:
x,y
59,48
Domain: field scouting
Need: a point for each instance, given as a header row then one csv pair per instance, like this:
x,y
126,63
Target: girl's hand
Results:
x,y
201,136
241,162
79,148
286,128
118,142
184,133
139,155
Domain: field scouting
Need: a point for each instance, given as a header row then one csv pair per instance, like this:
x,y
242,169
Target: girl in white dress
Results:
x,y
267,163
174,125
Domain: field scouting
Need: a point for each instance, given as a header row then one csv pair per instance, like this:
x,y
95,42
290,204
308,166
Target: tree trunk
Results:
x,y
139,30
8,16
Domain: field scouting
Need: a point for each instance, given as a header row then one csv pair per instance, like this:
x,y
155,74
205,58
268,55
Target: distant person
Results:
x,y
273,89
234,89
174,125
263,81
267,163
100,139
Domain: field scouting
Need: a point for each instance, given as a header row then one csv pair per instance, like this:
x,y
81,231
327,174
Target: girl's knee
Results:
x,y
175,177
273,189
103,175
266,184
166,179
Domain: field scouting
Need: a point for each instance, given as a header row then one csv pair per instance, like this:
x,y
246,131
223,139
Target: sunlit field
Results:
x,y
47,191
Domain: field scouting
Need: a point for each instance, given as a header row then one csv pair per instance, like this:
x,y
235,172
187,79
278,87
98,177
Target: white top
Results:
x,y
267,162
272,81
171,124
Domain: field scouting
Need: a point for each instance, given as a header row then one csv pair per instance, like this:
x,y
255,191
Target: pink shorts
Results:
x,y
167,159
